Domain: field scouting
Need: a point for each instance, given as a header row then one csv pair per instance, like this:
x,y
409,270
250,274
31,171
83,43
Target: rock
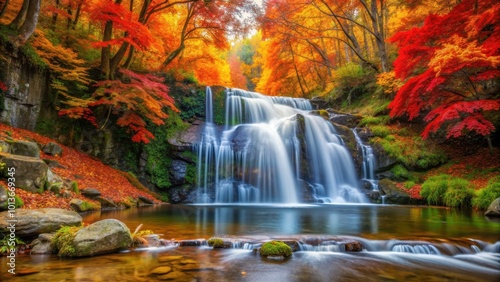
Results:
x,y
53,163
35,222
80,206
105,203
191,243
184,194
169,258
145,200
105,236
43,244
176,276
4,146
24,148
185,139
275,249
384,160
30,173
90,193
348,120
393,194
494,209
53,149
178,169
318,102
161,270
152,239
353,246
3,199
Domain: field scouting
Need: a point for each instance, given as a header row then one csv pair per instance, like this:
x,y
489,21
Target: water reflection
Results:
x,y
368,221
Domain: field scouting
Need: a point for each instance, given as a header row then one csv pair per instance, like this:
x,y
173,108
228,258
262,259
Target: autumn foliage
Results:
x,y
136,98
451,67
77,166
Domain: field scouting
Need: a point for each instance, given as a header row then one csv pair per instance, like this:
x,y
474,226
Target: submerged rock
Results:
x,y
105,236
494,209
34,222
275,249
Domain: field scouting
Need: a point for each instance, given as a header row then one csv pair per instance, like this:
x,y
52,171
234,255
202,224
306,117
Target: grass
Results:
x,y
485,196
448,190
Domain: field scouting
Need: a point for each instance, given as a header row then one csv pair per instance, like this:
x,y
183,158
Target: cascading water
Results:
x,y
368,167
272,150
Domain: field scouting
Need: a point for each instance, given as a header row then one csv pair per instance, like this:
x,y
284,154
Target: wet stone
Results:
x,y
191,243
176,276
188,261
169,258
161,270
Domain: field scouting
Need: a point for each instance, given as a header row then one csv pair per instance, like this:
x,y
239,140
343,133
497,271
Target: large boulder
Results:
x,y
393,195
185,139
105,236
24,148
34,222
178,170
90,193
30,174
348,120
494,209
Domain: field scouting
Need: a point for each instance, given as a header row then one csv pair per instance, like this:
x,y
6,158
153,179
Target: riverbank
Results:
x,y
80,171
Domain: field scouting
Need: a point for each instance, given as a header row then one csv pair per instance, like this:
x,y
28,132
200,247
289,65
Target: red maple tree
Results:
x,y
451,64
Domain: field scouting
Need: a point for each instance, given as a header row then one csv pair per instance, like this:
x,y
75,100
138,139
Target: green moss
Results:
x,y
370,120
63,240
215,242
484,197
74,187
380,130
275,248
400,171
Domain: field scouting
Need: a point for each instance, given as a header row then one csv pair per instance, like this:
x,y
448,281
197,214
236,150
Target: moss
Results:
x,y
484,197
369,120
380,131
74,187
275,248
215,242
400,171
63,240
409,184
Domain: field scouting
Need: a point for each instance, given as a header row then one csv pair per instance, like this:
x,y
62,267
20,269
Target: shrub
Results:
x,y
275,248
485,196
459,193
400,171
433,189
409,184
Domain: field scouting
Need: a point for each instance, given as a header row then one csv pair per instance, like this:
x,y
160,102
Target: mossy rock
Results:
x,y
275,249
216,243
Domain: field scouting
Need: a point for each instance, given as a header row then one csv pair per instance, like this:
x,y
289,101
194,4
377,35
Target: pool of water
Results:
x,y
400,243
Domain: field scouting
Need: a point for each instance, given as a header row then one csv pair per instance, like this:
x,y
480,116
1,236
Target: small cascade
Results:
x,y
271,148
207,150
416,249
369,162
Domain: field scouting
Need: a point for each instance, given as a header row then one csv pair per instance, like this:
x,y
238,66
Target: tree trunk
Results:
x,y
490,145
77,16
54,17
4,8
106,51
20,16
30,22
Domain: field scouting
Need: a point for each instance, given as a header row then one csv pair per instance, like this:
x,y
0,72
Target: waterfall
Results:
x,y
368,167
272,150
